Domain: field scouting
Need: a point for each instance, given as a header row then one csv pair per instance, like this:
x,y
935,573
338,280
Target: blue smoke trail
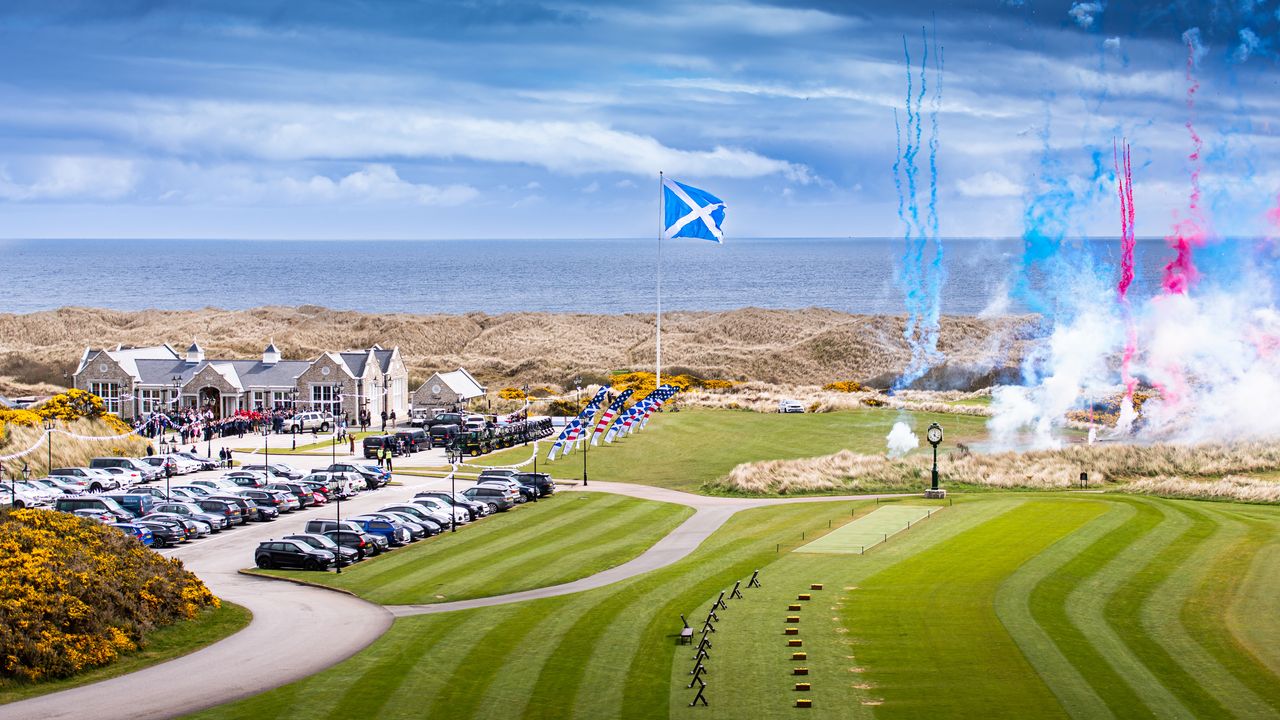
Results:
x,y
921,281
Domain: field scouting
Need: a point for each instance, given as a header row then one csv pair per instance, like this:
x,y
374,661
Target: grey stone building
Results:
x,y
448,390
135,382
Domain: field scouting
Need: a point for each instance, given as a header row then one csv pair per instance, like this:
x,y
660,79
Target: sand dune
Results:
x,y
811,346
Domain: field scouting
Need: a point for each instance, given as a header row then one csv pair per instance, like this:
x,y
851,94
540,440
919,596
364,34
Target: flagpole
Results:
x,y
661,212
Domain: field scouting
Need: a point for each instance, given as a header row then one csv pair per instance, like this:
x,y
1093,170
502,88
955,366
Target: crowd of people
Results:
x,y
192,424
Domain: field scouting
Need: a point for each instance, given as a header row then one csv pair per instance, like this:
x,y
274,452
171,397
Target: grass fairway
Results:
x,y
163,644
1003,605
553,541
686,449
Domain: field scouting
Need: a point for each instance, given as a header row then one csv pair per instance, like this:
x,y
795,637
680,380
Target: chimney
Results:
x,y
195,353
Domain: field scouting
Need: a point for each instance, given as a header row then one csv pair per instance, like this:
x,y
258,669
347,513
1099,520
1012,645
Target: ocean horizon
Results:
x,y
856,275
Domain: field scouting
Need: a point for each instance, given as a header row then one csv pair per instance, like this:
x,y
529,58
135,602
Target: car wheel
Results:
x,y
324,427
264,562
95,488
314,565
493,507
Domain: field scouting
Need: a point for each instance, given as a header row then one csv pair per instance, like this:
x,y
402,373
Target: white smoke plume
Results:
x,y
901,440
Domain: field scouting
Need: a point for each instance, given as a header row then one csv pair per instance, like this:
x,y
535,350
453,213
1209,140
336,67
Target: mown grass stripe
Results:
x,y
922,655
1209,606
1087,608
1129,605
508,624
1032,606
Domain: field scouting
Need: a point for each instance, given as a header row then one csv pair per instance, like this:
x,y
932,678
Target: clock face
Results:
x,y
935,434
324,371
435,389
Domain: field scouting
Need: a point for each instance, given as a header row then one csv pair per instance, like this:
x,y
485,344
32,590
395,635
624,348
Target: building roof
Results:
x,y
357,360
127,358
461,383
4,402
241,373
271,348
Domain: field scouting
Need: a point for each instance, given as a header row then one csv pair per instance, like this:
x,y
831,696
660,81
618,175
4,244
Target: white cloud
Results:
x,y
286,132
69,177
374,183
532,185
624,184
988,184
591,187
1084,13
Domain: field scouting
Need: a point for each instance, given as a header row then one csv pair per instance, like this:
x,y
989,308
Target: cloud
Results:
x,y
624,184
1111,43
295,132
377,184
69,178
989,184
1250,45
591,187
1085,13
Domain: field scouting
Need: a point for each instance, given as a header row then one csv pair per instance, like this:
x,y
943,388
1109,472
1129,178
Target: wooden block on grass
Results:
x,y
793,618
804,703
802,687
816,586
795,643
794,606
791,631
800,671
804,596
800,656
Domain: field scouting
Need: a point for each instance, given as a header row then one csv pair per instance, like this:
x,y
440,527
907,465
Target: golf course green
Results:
x,y
1023,605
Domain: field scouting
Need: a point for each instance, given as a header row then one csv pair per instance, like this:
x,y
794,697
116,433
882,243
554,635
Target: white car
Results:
x,y
96,480
181,465
432,511
790,406
301,422
21,498
216,484
460,514
124,475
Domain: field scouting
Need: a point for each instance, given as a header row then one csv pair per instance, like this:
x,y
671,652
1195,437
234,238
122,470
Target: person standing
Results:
x,y
393,419
381,455
389,454
384,421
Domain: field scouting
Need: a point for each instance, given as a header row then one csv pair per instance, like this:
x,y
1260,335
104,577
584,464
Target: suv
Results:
x,y
92,502
228,509
447,418
274,470
419,417
790,406
249,510
414,440
542,481
497,498
323,525
443,435
321,421
372,480
291,553
95,480
148,472
372,443
137,503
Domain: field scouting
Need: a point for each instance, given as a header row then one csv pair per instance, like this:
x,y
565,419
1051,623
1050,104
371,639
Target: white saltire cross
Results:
x,y
696,212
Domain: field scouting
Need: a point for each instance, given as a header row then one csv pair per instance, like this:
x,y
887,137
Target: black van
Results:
x,y
443,435
414,440
373,442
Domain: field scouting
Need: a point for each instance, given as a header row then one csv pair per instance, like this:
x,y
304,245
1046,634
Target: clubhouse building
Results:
x,y
136,381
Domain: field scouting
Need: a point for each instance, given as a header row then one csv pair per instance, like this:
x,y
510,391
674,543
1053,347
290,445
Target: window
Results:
x,y
152,400
257,400
325,398
110,394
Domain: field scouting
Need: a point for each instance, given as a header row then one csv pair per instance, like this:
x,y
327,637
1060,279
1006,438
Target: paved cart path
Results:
x,y
300,630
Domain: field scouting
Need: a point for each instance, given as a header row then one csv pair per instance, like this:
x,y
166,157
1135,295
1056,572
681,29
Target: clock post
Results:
x,y
935,439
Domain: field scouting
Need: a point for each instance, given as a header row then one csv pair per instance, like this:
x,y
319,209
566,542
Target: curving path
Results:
x,y
300,630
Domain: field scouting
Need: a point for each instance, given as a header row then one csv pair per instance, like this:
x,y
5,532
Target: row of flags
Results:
x,y
620,422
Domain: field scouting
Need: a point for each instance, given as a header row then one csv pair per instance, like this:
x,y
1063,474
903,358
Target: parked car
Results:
x,y
363,543
322,542
291,553
414,439
542,481
420,513
137,503
304,496
60,485
95,480
790,406
101,516
160,463
517,491
217,523
247,478
280,502
163,535
155,492
215,484
443,435
139,532
275,471
191,528
446,418
344,485
374,443
447,512
204,463
189,492
303,422
383,475
427,527
394,532
476,509
324,525
124,476
373,478
249,509
226,508
497,498
43,496
92,502
148,472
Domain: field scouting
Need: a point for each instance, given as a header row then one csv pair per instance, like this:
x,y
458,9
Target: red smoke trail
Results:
x,y
1180,274
1128,242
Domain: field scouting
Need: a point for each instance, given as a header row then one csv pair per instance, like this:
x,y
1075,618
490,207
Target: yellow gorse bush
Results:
x,y
511,393
848,386
74,594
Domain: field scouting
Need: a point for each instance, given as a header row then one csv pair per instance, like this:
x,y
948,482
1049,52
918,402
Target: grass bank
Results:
x,y
556,540
696,447
166,643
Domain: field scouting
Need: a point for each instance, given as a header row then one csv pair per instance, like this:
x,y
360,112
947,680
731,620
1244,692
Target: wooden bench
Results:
x,y
686,636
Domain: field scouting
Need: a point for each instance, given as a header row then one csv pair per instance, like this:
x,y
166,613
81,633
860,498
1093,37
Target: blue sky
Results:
x,y
327,119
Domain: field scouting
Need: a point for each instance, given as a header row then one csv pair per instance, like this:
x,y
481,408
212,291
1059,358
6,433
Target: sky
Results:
x,y
511,119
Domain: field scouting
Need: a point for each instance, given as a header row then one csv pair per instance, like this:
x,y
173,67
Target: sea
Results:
x,y
498,276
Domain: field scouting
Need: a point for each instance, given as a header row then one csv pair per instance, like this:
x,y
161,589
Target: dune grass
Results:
x,y
975,612
556,540
166,643
690,449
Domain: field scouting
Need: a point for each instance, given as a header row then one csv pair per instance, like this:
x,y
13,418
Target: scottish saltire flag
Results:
x,y
614,408
691,213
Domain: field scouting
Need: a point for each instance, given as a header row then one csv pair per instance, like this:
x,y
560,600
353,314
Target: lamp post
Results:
x,y
26,476
266,444
48,431
454,456
333,447
586,447
934,436
176,380
337,496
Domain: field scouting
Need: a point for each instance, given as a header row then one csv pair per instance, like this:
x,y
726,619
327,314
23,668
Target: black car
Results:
x,y
249,510
163,534
475,510
180,523
226,508
320,542
374,443
542,481
291,553
304,494
449,418
362,543
267,498
444,435
414,440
